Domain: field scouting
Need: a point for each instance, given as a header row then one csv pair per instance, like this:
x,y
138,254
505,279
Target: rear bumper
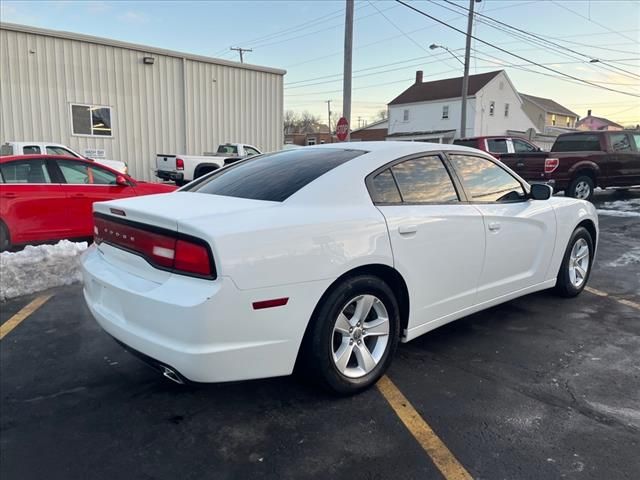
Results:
x,y
207,331
168,175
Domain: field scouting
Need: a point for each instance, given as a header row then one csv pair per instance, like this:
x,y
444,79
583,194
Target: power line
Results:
x,y
594,22
540,41
513,54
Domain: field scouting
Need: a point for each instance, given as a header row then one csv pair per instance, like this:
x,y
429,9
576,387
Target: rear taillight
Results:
x,y
179,164
161,248
550,165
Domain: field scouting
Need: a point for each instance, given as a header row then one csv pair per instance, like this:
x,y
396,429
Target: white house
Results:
x,y
430,111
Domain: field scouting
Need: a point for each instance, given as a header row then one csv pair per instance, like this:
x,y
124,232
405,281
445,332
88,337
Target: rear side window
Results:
x,y
384,188
31,150
523,147
424,180
497,145
577,143
274,177
26,171
485,181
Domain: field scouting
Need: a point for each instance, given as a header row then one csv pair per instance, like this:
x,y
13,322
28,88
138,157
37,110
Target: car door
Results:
x,y
624,166
437,240
520,233
32,204
86,183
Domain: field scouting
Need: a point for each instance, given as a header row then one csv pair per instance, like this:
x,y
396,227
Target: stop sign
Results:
x,y
342,129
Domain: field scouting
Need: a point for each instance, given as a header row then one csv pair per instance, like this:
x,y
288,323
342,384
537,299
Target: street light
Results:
x,y
434,46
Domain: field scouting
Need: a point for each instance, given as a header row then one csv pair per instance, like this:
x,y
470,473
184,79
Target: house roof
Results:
x,y
441,89
416,134
600,119
548,105
379,125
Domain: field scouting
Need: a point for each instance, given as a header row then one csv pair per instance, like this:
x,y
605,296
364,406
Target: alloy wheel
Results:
x,y
582,190
579,262
360,336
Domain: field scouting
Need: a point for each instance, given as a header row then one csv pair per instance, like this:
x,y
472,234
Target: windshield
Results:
x,y
274,177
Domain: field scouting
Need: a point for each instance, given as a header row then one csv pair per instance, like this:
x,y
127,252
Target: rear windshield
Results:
x,y
274,177
577,143
228,149
466,143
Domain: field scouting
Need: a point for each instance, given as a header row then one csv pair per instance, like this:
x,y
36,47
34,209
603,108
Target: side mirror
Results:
x,y
122,181
540,191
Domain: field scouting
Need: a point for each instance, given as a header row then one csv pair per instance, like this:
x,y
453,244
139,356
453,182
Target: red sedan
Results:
x,y
50,197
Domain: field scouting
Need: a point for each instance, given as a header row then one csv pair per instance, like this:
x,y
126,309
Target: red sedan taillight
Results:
x,y
163,249
179,164
550,165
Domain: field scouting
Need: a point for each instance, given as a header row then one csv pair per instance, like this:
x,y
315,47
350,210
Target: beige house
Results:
x,y
548,115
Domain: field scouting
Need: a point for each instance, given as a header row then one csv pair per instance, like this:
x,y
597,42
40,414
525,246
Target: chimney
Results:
x,y
588,113
419,76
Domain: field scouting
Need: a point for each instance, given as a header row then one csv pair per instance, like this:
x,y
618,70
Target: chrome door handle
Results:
x,y
494,226
407,229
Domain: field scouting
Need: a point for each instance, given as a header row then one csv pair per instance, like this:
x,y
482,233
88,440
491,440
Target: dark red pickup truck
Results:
x,y
580,161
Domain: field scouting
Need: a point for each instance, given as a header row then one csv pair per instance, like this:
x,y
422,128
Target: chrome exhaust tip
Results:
x,y
171,375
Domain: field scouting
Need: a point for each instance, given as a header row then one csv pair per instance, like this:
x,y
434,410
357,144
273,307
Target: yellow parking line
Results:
x,y
14,321
623,301
441,456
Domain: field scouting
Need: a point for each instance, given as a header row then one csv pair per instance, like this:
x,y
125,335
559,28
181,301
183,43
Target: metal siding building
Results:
x,y
179,104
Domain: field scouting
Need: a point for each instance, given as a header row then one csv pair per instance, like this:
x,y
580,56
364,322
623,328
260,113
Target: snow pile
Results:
x,y
631,257
621,208
39,268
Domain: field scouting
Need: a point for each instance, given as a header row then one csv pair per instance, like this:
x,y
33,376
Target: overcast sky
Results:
x,y
391,42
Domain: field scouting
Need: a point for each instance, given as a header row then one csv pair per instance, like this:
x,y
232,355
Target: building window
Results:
x,y
311,141
492,108
405,116
568,121
445,111
553,119
92,120
506,109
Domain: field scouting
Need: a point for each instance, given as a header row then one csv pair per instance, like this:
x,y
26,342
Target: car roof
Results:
x,y
403,148
9,158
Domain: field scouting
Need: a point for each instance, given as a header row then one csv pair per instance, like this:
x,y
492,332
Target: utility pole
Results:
x,y
348,50
241,50
329,119
465,78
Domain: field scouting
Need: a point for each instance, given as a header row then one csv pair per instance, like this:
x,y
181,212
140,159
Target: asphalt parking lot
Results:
x,y
537,388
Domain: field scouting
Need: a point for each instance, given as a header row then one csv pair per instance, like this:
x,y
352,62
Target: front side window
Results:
x,y
25,171
91,120
497,145
80,173
251,151
273,177
522,147
620,142
445,111
424,180
636,139
485,181
405,115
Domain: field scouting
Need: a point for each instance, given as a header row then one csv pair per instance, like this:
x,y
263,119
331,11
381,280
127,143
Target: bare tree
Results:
x,y
382,114
291,121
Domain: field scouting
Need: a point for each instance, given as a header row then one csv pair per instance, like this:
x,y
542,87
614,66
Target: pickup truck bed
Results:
x,y
603,159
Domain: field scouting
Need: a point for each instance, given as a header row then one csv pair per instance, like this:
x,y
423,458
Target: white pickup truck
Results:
x,y
185,168
49,148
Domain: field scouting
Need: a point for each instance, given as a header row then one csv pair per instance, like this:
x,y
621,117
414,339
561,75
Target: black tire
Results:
x,y
320,340
181,183
581,187
5,238
564,286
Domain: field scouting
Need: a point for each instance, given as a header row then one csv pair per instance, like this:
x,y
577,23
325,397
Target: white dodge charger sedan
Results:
x,y
323,258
